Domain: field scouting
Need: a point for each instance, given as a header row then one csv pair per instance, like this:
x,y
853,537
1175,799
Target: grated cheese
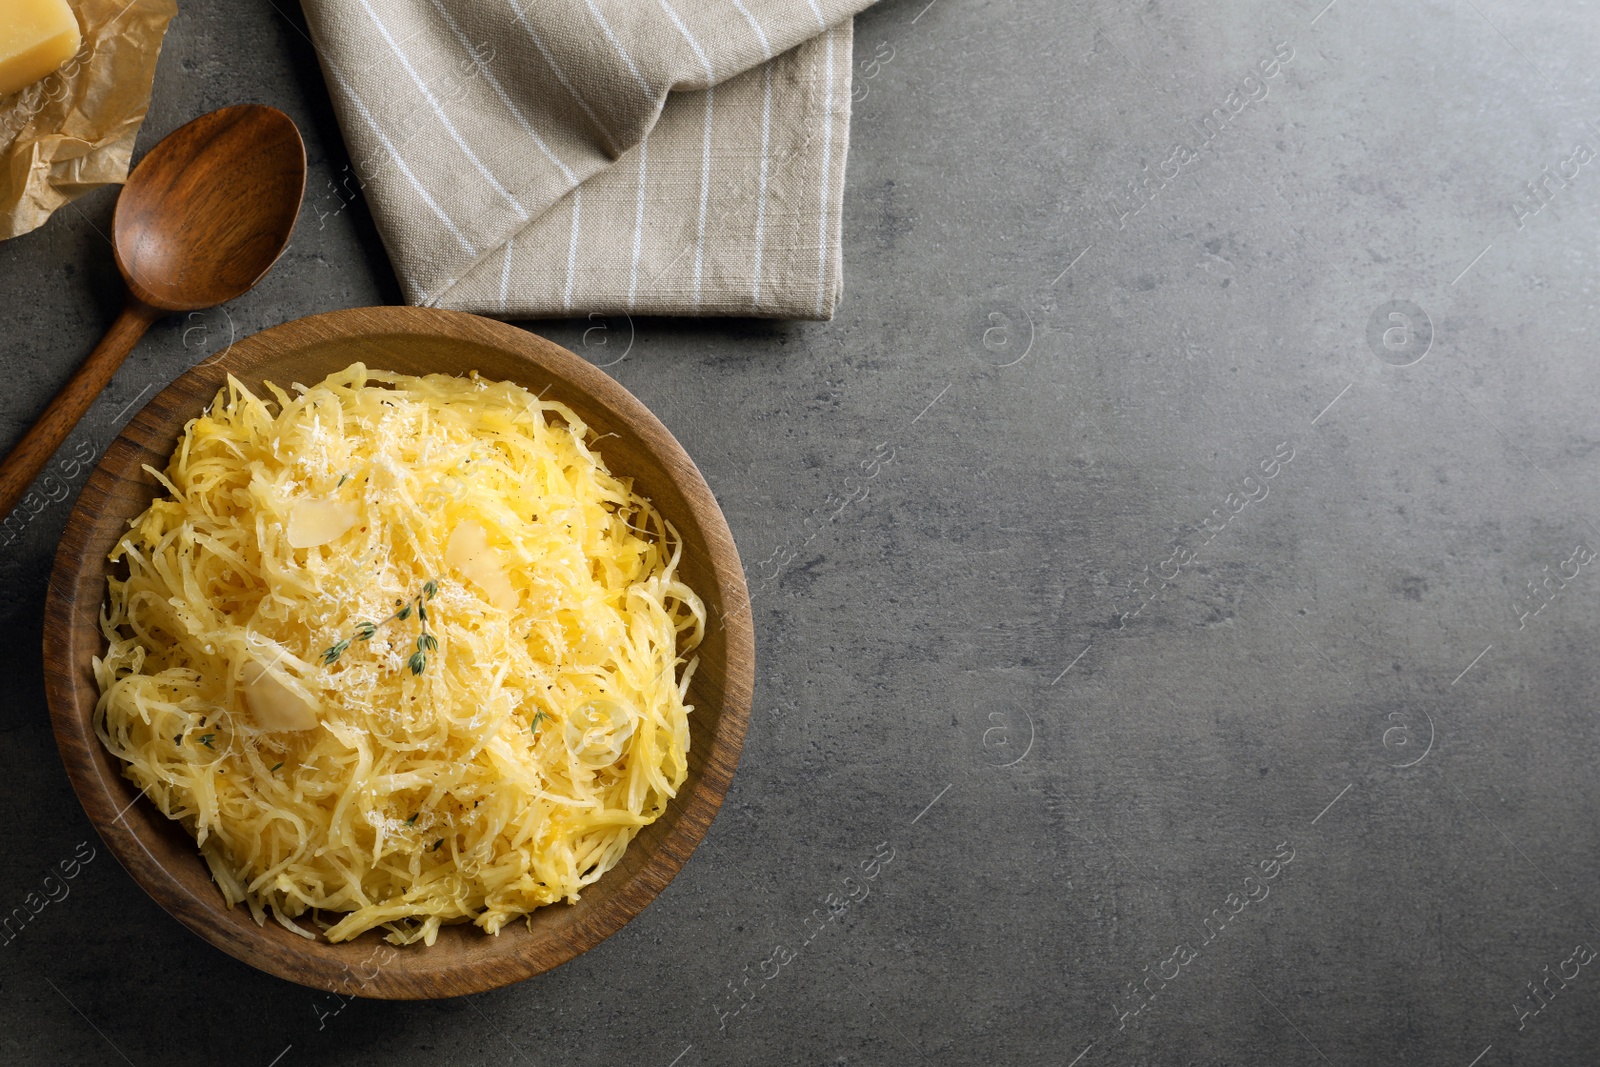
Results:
x,y
547,724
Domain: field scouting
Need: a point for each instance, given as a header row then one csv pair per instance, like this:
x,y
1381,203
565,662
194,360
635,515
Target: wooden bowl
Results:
x,y
162,857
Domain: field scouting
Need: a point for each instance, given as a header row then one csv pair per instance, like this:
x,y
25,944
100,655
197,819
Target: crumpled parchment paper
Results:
x,y
73,131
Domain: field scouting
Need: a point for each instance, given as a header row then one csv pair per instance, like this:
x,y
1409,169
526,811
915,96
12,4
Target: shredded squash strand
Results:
x,y
547,722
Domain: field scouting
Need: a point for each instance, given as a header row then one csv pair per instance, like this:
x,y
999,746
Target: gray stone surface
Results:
x,y
1075,761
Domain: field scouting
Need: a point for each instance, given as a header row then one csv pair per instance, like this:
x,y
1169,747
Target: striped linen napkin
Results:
x,y
531,158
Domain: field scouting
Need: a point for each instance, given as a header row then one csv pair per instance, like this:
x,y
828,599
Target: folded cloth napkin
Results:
x,y
562,157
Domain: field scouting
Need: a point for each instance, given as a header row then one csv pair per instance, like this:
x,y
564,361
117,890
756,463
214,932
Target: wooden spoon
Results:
x,y
202,219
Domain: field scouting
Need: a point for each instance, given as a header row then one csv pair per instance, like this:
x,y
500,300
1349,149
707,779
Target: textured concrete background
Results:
x,y
1073,656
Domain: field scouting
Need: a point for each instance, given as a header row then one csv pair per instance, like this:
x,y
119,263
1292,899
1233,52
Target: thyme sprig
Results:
x,y
365,631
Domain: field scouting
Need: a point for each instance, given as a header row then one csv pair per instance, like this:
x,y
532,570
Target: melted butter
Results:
x,y
469,553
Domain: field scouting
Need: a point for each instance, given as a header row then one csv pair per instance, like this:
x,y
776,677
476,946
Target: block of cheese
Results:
x,y
36,37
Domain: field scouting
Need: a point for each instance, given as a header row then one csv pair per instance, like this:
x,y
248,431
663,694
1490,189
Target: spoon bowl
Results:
x,y
210,208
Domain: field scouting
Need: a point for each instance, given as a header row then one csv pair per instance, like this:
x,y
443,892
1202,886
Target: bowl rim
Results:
x,y
77,592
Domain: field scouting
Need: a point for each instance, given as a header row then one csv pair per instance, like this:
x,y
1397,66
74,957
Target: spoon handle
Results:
x,y
26,460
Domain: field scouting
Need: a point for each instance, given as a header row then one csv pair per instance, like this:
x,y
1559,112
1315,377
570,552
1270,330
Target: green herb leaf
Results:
x,y
366,631
206,739
413,820
342,477
436,845
278,765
